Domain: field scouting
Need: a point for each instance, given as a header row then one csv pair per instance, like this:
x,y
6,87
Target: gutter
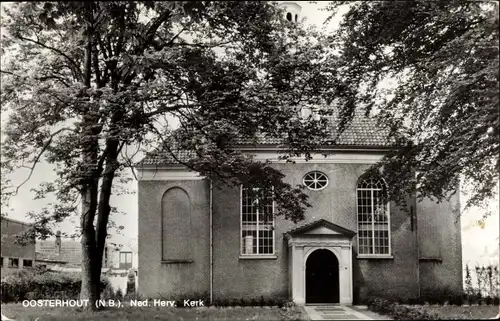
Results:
x,y
211,246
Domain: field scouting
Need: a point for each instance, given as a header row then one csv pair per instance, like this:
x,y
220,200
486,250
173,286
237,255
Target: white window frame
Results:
x,y
315,172
256,255
126,255
388,210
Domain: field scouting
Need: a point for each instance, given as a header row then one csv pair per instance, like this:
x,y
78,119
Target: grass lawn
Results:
x,y
470,312
18,312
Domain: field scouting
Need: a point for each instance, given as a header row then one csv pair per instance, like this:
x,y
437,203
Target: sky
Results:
x,y
480,240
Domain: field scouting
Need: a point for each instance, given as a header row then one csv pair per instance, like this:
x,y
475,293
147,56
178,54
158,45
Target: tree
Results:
x,y
85,81
429,70
469,290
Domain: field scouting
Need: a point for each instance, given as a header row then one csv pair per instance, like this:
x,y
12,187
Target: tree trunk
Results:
x,y
104,197
90,289
91,261
91,264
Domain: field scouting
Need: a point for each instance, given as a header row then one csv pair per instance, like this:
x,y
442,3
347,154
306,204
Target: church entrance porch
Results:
x,y
320,263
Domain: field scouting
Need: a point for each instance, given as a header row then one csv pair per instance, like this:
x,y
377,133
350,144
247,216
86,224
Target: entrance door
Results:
x,y
322,277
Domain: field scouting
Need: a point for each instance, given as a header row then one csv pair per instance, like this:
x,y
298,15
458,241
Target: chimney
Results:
x,y
58,243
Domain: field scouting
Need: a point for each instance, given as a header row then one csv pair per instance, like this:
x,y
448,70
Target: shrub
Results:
x,y
488,280
281,303
35,284
457,299
473,299
223,302
119,294
401,312
130,283
442,296
377,304
204,296
416,301
108,293
255,302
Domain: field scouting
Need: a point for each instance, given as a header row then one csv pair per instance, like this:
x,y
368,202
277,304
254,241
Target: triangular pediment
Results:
x,y
322,227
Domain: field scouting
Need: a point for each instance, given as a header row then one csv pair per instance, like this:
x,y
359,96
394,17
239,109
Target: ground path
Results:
x,y
341,312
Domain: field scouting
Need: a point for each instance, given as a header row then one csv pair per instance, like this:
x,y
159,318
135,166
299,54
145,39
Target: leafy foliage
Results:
x,y
429,70
83,82
37,284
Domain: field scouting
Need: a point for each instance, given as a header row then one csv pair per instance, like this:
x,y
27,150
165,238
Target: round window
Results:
x,y
315,181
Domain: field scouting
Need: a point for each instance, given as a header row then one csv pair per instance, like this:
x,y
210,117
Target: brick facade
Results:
x,y
402,275
171,279
10,250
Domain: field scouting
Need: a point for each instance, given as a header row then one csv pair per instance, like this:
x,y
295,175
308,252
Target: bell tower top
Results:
x,y
292,10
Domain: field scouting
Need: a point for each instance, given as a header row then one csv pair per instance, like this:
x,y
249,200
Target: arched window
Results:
x,y
373,217
289,16
176,225
296,17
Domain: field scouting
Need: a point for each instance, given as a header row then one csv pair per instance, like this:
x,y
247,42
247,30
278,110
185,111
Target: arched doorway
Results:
x,y
322,277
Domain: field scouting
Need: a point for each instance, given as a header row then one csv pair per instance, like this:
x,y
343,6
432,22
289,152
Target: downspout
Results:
x,y
211,247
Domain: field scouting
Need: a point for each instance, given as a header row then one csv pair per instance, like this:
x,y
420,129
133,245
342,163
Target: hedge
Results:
x,y
401,312
33,284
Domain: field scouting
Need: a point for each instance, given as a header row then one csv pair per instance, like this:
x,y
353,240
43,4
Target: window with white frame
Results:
x,y
257,222
13,262
315,180
373,217
125,257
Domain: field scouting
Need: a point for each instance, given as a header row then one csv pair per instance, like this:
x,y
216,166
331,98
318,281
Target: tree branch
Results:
x,y
75,67
128,160
37,158
42,78
165,109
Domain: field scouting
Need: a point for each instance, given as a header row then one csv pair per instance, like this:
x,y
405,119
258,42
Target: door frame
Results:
x,y
344,255
299,250
306,259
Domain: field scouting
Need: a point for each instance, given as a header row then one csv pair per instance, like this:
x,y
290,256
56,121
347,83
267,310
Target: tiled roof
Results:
x,y
157,158
361,132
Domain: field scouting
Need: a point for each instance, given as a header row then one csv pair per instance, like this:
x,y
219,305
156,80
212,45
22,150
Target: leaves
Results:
x,y
430,72
85,82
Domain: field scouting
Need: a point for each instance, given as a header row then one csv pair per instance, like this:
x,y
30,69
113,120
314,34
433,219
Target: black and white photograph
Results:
x,y
249,160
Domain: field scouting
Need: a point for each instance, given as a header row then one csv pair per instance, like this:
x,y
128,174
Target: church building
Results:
x,y
200,237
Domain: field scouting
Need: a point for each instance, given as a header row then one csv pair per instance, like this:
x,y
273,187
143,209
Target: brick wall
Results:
x,y
9,248
236,277
440,244
170,279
